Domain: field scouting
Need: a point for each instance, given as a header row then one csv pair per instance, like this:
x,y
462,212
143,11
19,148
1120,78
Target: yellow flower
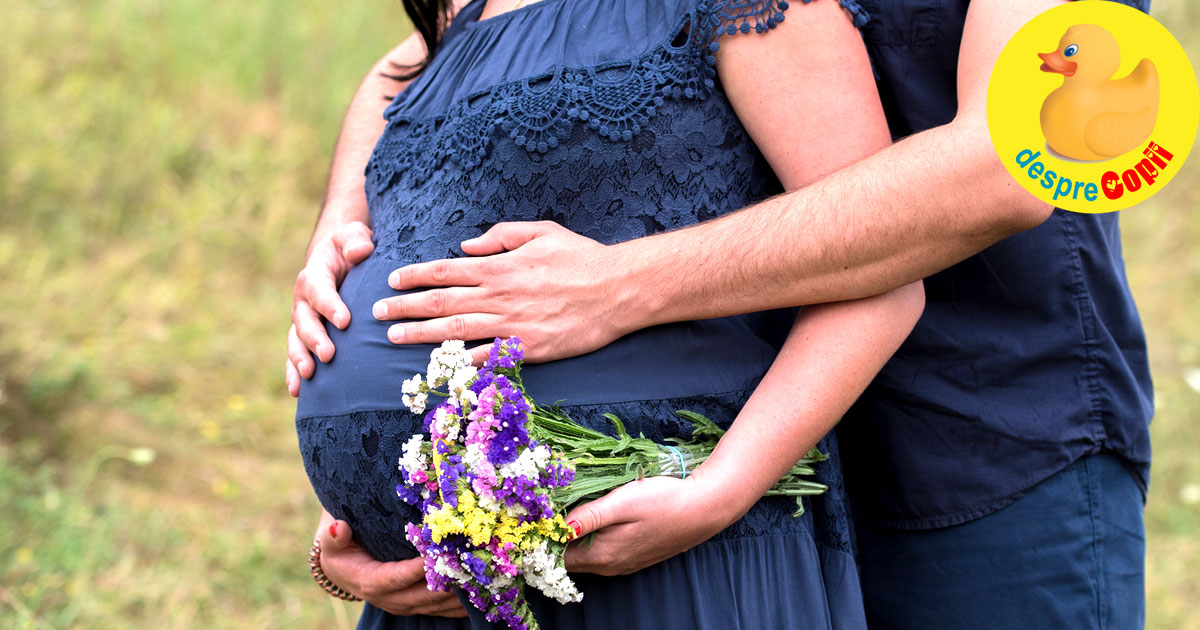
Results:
x,y
442,523
479,523
555,528
437,467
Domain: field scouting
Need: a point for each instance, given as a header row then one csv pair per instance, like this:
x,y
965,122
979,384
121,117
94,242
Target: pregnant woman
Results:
x,y
617,119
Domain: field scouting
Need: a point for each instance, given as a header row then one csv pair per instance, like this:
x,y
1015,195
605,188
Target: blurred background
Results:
x,y
161,167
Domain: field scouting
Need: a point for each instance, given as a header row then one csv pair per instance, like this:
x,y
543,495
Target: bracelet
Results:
x,y
326,584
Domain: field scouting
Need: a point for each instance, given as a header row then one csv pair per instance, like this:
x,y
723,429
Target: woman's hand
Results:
x,y
315,297
645,522
396,587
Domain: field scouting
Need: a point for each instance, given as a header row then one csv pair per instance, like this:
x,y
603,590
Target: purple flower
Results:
x,y
505,446
475,594
514,348
557,475
436,581
407,494
505,354
450,470
523,491
506,607
416,536
483,378
429,418
477,567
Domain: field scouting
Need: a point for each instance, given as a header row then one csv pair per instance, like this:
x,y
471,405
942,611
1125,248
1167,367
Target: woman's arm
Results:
x,y
830,356
342,237
815,113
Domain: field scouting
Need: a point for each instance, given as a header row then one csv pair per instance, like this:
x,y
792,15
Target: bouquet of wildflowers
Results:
x,y
498,472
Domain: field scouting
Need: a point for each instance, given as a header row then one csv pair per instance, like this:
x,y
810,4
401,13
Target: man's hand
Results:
x,y
645,522
396,587
536,280
315,297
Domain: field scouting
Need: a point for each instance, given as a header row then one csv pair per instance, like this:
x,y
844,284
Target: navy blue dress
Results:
x,y
607,117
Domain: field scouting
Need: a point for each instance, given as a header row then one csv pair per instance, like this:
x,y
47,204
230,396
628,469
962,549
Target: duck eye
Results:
x,y
1071,50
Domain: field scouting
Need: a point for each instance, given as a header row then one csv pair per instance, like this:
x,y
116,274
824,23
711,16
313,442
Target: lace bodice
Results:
x,y
629,146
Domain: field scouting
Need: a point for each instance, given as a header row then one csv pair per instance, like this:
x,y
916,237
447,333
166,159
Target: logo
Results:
x,y
1102,121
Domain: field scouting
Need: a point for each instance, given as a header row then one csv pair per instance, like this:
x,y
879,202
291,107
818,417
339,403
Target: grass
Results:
x,y
161,163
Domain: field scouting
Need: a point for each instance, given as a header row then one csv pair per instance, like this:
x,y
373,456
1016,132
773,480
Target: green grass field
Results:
x,y
161,165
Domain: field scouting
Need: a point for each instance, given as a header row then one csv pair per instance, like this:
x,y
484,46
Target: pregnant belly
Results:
x,y
351,423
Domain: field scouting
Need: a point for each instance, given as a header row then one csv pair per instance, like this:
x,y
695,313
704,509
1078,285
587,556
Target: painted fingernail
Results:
x,y
333,531
380,310
396,333
394,280
576,527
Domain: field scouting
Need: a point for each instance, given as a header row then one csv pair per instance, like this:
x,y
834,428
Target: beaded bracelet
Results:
x,y
314,567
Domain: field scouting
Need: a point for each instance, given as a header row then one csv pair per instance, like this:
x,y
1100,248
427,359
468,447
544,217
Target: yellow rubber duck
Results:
x,y
1092,117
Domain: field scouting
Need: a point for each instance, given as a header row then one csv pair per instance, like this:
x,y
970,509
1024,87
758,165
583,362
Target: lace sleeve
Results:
x,y
730,17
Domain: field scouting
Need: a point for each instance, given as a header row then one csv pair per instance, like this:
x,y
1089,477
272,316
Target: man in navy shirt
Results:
x,y
998,464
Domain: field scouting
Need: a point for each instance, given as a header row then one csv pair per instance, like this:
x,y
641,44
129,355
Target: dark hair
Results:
x,y
429,17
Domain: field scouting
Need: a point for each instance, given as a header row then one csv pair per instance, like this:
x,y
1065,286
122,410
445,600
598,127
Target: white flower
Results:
x,y
500,583
461,379
468,399
445,570
413,395
515,510
447,424
491,504
446,361
529,463
544,572
413,459
415,404
474,458
453,346
435,373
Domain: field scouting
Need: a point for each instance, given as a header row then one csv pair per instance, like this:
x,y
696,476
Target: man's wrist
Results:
x,y
640,293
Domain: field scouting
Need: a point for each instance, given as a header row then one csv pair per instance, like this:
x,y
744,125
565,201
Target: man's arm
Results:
x,y
899,215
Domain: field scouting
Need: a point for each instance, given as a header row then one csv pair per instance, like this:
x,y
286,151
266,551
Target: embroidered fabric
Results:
x,y
669,176
352,451
545,147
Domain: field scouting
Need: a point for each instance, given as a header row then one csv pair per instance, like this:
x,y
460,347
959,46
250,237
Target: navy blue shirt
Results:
x,y
1029,355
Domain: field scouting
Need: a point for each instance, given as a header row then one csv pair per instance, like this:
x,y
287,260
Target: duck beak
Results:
x,y
1055,62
